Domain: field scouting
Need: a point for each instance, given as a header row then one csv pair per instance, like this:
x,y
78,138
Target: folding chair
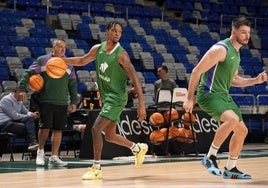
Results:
x,y
179,95
164,96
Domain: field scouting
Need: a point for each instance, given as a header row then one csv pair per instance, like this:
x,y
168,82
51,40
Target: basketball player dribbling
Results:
x,y
113,69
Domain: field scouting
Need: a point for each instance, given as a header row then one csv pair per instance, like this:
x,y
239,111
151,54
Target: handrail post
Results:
x,y
88,10
47,7
127,13
221,20
15,5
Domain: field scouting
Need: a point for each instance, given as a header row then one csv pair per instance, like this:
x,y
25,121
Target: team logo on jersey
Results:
x,y
103,67
106,109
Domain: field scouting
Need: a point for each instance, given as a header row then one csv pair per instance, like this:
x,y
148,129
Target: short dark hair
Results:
x,y
16,89
240,21
164,67
112,24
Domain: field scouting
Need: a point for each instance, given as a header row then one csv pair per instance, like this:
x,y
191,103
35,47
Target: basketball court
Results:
x,y
174,171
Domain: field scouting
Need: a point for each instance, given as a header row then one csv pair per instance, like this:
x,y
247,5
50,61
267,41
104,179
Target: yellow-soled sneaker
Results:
x,y
139,156
93,173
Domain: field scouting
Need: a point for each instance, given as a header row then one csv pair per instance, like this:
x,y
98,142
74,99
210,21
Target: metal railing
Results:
x,y
262,107
246,106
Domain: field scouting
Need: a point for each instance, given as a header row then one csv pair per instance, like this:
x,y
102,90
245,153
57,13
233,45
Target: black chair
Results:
x,y
10,138
7,138
78,117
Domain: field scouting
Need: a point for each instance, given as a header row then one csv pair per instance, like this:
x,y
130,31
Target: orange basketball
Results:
x,y
186,119
56,67
183,135
36,82
156,136
164,132
173,132
156,118
174,115
191,136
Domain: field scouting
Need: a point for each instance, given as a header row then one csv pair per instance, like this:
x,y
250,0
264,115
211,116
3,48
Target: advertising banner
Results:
x,y
136,131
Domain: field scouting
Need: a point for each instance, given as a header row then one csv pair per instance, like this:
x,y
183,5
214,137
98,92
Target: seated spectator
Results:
x,y
131,96
17,119
77,121
80,128
164,81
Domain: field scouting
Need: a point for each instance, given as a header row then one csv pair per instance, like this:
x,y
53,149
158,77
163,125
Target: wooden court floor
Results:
x,y
157,174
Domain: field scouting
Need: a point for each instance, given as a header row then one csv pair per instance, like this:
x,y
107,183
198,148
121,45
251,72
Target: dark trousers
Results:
x,y
22,127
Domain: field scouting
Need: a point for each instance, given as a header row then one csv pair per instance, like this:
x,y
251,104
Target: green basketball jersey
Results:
x,y
111,77
218,78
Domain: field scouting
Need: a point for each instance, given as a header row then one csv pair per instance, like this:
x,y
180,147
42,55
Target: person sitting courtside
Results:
x,y
17,119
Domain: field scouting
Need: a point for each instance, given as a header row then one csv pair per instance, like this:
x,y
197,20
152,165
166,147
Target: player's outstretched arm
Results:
x,y
83,60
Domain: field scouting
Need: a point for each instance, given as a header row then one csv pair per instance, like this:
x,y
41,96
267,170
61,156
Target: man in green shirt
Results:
x,y
53,99
113,69
217,71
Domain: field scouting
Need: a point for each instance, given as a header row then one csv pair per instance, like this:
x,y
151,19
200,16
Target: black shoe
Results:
x,y
33,146
234,173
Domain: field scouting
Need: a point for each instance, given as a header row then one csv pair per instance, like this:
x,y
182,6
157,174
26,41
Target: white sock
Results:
x,y
135,148
40,151
97,164
213,150
231,162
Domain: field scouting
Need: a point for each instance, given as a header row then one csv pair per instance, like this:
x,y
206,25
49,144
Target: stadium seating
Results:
x,y
149,40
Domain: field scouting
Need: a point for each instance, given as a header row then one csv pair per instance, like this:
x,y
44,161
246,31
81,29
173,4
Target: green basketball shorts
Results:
x,y
215,104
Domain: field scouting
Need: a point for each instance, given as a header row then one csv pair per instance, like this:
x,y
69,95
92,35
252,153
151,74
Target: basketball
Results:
x,y
183,135
187,119
173,132
156,136
56,67
36,82
156,118
174,115
164,132
191,136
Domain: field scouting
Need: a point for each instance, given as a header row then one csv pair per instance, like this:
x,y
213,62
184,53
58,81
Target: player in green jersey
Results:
x,y
216,72
113,69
